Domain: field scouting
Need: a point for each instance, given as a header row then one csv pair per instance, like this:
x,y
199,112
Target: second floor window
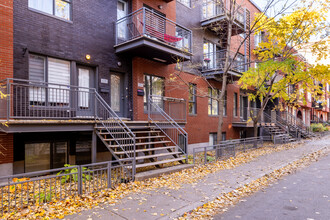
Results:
x,y
258,38
58,8
185,2
235,105
192,99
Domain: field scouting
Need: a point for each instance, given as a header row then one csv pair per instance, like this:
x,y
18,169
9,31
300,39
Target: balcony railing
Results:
x,y
27,99
216,61
216,8
147,23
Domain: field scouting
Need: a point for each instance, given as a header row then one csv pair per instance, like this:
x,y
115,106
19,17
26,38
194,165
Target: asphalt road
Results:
x,y
304,195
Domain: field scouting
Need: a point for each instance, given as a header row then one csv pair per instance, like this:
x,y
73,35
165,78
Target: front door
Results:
x,y
117,93
121,13
85,93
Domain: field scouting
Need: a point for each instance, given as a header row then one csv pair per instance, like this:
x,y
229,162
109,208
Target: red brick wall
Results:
x,y
198,126
6,148
6,69
6,39
167,8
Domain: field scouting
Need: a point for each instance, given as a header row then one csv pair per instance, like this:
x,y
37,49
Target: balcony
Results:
x,y
317,105
145,33
215,17
213,64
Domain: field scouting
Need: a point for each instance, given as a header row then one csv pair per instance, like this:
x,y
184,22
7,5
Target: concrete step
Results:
x,y
157,172
157,155
141,144
160,162
135,132
147,149
136,138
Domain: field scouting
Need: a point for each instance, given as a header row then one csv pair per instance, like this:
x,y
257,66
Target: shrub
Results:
x,y
318,127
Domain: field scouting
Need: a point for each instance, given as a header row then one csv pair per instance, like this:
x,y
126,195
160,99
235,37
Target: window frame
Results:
x,y
192,98
183,2
53,14
235,105
210,102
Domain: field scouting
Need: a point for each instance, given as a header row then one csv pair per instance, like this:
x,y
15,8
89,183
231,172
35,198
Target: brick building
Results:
x,y
77,65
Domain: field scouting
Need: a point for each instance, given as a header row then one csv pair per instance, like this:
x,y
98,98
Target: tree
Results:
x,y
279,65
231,8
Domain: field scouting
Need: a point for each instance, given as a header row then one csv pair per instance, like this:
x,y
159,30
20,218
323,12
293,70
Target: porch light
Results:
x,y
88,57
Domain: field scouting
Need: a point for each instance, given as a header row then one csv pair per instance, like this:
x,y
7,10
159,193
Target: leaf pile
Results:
x,y
74,204
221,204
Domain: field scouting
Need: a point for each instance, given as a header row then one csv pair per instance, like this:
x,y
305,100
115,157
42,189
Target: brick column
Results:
x,y
6,68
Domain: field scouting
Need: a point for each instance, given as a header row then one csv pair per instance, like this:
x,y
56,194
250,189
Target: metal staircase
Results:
x,y
148,143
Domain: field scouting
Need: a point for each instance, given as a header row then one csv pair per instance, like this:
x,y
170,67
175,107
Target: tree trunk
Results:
x,y
224,76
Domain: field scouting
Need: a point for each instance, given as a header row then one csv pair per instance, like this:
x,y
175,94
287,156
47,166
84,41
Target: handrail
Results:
x,y
173,136
114,124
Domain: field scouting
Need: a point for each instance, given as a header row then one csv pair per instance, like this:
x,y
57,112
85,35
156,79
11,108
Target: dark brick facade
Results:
x,y
91,31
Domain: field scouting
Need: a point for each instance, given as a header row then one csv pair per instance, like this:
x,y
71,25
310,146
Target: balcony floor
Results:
x,y
152,49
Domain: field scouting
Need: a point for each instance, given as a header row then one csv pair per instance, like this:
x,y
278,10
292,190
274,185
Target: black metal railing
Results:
x,y
216,61
215,8
165,113
18,192
148,23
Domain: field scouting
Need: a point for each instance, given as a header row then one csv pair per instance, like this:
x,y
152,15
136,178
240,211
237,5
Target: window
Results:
x,y
235,105
58,8
192,99
328,103
185,2
223,135
212,139
212,8
58,73
258,38
213,108
225,104
153,86
210,54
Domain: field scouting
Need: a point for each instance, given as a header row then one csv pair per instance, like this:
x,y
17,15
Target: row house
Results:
x,y
88,80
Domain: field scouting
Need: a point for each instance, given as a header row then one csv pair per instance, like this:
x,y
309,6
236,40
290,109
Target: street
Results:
x,y
303,195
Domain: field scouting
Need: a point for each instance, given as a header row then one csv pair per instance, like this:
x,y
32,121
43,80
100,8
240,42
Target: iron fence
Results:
x,y
226,149
165,113
23,190
148,23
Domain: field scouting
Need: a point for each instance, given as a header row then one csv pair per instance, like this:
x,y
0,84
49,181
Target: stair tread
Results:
x,y
130,127
144,143
136,132
157,155
136,138
147,149
159,162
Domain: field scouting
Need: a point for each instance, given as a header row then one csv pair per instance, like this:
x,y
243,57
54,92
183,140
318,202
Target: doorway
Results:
x,y
85,99
117,93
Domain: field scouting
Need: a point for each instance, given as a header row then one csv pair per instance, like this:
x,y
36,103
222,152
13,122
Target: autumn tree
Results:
x,y
278,64
227,29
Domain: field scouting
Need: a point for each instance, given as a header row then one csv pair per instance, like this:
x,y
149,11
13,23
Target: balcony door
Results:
x,y
122,11
117,90
85,95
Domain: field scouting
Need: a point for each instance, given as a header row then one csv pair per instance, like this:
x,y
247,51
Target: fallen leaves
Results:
x,y
221,204
73,204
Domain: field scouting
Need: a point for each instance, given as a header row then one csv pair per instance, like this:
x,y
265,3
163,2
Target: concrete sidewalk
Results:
x,y
165,203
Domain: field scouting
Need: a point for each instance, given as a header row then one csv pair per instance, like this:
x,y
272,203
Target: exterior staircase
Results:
x,y
152,147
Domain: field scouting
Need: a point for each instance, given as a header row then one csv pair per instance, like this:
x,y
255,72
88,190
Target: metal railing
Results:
x,y
122,136
160,112
18,192
148,23
229,148
28,99
216,61
216,8
294,123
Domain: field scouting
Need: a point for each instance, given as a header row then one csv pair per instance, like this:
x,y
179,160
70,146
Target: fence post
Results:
x,y
234,150
109,174
133,169
205,157
244,145
80,180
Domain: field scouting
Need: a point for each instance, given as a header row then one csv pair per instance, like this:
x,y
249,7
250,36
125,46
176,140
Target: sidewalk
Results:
x,y
165,203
